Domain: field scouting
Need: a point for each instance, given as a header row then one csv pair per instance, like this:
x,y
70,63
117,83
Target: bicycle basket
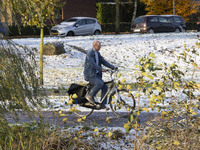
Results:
x,y
80,91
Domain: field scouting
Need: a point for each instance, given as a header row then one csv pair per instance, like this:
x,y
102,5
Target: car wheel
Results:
x,y
151,31
70,33
97,32
177,30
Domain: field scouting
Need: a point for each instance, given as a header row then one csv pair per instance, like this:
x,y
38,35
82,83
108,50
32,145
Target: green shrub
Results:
x,y
173,93
110,27
106,15
27,30
19,84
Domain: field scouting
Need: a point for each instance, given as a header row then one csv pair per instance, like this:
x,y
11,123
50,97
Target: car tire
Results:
x,y
151,31
70,33
97,32
177,30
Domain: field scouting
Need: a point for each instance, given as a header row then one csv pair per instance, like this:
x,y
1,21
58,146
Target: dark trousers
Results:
x,y
98,84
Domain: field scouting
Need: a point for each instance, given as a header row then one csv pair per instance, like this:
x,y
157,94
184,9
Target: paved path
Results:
x,y
96,118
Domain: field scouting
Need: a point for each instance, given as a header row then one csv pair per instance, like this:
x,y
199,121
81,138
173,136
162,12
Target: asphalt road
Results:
x,y
96,118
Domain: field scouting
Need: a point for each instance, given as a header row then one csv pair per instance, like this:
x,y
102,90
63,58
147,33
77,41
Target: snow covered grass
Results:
x,y
123,51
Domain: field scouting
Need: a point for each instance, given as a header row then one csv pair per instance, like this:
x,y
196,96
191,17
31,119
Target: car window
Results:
x,y
90,21
81,22
170,19
163,19
139,20
153,19
177,19
71,20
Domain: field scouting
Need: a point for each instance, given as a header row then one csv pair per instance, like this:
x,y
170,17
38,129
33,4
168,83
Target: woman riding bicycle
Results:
x,y
93,73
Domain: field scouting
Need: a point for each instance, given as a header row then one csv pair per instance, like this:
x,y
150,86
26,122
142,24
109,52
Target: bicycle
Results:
x,y
122,102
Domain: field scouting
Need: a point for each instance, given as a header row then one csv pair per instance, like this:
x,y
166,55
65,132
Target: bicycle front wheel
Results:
x,y
122,103
82,110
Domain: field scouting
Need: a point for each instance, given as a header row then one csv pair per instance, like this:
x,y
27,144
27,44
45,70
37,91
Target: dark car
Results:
x,y
154,24
2,30
177,20
198,26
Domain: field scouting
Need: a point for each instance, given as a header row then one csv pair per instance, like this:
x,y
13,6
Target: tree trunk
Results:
x,y
117,27
41,55
135,10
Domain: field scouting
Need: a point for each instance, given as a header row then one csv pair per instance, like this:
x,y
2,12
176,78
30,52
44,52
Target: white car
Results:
x,y
77,26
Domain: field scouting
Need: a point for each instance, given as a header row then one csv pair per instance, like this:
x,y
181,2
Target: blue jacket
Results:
x,y
90,69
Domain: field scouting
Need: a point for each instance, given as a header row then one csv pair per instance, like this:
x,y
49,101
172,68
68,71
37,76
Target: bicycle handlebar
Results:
x,y
111,71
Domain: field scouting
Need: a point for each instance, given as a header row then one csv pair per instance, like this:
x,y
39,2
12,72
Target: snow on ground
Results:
x,y
123,51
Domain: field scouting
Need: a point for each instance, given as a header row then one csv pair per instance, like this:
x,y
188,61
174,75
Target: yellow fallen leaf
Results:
x,y
137,95
64,119
154,85
84,117
159,147
109,134
95,130
126,125
146,109
164,113
120,87
108,120
70,101
176,143
158,89
123,80
129,87
152,55
62,115
194,113
79,119
74,96
119,75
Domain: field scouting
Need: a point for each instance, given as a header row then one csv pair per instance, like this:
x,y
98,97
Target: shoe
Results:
x,y
103,106
90,98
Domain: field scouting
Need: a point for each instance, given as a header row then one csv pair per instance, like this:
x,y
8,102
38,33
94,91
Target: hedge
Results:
x,y
106,12
110,27
27,30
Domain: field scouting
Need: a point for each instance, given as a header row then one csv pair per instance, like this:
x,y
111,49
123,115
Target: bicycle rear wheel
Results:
x,y
122,103
81,110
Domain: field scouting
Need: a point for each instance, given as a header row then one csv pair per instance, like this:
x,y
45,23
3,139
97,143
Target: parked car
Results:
x,y
154,24
177,20
77,26
198,26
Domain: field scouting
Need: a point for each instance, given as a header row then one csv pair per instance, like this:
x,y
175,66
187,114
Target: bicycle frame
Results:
x,y
112,87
